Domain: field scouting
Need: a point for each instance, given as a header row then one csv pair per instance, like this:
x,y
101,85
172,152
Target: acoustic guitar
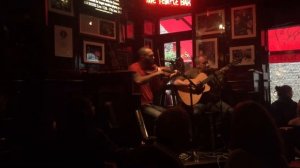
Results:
x,y
194,93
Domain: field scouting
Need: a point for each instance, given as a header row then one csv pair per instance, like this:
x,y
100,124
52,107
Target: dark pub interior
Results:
x,y
150,83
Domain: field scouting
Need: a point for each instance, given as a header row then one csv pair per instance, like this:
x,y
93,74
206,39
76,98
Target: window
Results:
x,y
169,53
186,52
174,24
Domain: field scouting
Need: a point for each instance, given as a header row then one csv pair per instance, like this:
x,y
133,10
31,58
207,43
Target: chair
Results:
x,y
146,139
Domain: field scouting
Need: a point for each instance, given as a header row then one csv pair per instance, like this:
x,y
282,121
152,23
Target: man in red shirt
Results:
x,y
144,71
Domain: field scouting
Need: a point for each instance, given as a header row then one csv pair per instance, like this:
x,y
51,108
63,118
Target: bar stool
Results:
x,y
169,97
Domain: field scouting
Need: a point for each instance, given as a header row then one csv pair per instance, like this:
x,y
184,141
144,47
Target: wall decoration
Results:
x,y
148,43
64,7
107,29
122,33
209,48
210,22
130,30
63,41
149,27
244,52
106,6
93,52
89,25
243,22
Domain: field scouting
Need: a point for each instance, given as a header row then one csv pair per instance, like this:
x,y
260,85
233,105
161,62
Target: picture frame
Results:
x,y
93,52
61,7
247,53
89,25
107,29
149,28
243,21
63,41
122,33
130,30
209,48
148,43
210,22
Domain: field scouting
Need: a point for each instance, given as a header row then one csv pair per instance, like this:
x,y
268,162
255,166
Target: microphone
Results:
x,y
256,71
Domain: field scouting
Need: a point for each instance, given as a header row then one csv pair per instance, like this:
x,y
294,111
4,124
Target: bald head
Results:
x,y
146,56
201,62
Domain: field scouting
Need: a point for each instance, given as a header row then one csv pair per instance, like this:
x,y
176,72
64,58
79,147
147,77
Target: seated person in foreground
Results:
x,y
255,141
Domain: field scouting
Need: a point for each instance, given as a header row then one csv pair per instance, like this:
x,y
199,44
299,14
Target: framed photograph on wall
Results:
x,y
243,22
63,41
148,43
130,30
245,53
122,32
210,22
61,7
209,48
149,28
93,52
89,25
107,29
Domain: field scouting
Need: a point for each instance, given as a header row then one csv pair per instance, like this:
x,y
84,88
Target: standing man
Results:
x,y
146,70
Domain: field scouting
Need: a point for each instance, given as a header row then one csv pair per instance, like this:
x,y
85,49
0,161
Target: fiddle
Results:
x,y
166,71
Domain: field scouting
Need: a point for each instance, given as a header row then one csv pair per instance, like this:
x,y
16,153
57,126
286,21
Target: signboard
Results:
x,y
107,6
183,3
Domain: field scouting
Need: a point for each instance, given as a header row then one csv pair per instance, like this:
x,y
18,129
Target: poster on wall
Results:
x,y
63,41
210,22
244,52
64,7
89,25
93,52
243,22
209,48
107,29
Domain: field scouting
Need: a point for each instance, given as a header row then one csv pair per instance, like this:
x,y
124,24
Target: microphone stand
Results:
x,y
191,86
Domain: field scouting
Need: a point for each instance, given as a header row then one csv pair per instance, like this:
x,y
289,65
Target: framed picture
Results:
x,y
148,43
62,7
210,22
244,52
209,48
63,41
122,32
89,25
243,22
149,27
107,29
130,30
93,52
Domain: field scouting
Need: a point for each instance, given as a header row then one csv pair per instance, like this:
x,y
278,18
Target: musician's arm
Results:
x,y
139,79
180,81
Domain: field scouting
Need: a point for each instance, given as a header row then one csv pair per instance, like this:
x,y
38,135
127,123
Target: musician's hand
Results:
x,y
199,89
176,72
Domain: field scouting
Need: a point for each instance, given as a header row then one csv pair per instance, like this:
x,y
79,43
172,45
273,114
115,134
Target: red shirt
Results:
x,y
144,89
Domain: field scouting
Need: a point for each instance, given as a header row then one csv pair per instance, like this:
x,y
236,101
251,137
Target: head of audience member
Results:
x,y
146,57
284,92
254,130
76,117
173,129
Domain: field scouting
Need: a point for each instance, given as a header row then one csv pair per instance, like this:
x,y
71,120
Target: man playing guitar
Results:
x,y
200,91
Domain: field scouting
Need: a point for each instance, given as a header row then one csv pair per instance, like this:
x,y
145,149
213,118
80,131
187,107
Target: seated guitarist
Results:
x,y
209,92
206,97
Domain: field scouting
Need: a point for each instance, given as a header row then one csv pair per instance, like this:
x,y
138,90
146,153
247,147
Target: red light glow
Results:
x,y
184,3
284,39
